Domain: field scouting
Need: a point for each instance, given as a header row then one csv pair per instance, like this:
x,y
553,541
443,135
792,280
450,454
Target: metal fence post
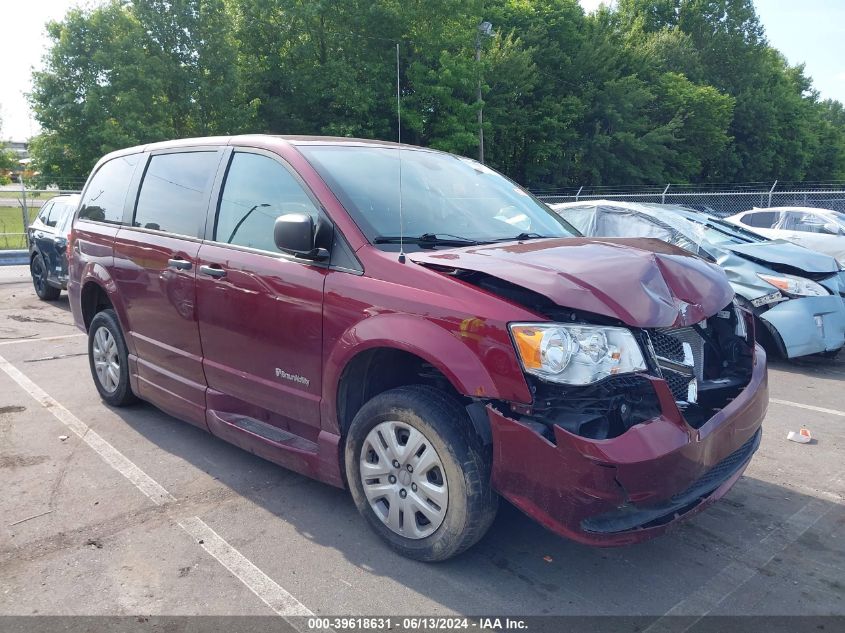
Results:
x,y
663,196
770,193
24,213
579,193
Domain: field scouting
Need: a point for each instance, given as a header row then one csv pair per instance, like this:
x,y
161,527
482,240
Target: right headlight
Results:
x,y
793,286
576,354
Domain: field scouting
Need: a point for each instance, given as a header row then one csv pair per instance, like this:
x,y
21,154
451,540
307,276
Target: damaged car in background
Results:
x,y
446,339
797,295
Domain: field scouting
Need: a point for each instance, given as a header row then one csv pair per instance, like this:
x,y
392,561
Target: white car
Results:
x,y
821,230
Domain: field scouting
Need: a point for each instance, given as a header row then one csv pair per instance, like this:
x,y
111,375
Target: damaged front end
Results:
x,y
704,367
617,461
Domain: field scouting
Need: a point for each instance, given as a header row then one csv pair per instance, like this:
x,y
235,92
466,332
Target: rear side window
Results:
x,y
44,214
106,193
762,219
174,192
257,191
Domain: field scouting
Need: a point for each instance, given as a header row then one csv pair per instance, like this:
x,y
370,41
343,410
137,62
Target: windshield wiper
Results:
x,y
524,236
428,239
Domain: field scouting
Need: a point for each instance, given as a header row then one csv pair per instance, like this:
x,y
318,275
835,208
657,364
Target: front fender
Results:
x,y
460,351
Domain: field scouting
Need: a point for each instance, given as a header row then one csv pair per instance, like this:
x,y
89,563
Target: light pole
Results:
x,y
485,29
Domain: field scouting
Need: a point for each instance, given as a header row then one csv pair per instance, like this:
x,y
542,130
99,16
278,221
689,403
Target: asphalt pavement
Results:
x,y
130,511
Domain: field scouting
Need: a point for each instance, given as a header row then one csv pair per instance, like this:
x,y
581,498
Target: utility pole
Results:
x,y
485,29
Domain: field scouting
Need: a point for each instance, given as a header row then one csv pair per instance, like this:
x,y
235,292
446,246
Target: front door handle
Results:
x,y
179,264
213,271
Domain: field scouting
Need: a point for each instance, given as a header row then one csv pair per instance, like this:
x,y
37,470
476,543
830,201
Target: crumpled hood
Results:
x,y
641,281
787,254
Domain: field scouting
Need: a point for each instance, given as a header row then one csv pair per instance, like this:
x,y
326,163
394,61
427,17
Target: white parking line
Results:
x,y
809,407
270,592
243,569
43,338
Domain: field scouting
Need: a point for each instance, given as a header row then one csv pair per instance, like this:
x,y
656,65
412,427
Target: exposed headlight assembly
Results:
x,y
795,286
739,314
576,354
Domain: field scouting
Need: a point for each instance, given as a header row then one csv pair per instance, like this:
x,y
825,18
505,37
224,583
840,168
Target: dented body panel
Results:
x,y
662,285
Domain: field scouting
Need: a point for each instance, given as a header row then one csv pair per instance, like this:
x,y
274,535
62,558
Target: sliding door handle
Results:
x,y
212,271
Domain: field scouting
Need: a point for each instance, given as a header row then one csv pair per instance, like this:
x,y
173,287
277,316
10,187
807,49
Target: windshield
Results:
x,y
443,196
838,217
721,232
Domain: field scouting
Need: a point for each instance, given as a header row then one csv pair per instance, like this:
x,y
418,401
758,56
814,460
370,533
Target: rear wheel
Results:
x,y
109,359
419,473
38,270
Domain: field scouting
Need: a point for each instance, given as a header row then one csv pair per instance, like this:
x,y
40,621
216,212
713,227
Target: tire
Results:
x,y
107,351
460,478
38,270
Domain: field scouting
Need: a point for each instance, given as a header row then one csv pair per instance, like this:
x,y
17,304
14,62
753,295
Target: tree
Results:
x,y
7,160
651,91
124,74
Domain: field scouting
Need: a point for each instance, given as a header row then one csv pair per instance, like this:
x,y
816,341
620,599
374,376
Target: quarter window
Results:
x,y
106,193
258,190
173,193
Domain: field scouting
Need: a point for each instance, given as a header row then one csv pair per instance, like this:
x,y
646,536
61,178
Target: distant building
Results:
x,y
20,148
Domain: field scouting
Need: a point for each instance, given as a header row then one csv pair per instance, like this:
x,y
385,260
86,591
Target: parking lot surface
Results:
x,y
135,512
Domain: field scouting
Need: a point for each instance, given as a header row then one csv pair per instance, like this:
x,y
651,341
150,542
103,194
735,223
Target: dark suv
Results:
x,y
47,238
414,326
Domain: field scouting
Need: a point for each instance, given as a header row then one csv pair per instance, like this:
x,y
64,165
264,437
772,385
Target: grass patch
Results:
x,y
16,195
12,222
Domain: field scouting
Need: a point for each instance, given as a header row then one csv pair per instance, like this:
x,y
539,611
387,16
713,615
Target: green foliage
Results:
x,y
653,91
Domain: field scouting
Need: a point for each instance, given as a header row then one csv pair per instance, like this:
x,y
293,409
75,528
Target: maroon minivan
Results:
x,y
414,326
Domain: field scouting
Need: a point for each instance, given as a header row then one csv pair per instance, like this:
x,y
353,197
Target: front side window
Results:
x,y
106,194
801,221
174,192
258,190
442,195
63,222
57,215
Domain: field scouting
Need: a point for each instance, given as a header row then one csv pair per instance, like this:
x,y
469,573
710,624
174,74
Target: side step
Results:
x,y
267,432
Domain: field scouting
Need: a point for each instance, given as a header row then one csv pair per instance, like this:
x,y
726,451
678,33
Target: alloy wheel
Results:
x,y
39,274
404,479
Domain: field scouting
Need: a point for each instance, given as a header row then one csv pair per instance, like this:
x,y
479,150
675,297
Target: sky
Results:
x,y
811,32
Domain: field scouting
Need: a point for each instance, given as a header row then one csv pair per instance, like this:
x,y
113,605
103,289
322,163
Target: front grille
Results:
x,y
668,344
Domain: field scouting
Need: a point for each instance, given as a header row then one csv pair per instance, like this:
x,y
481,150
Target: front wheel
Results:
x,y
419,473
38,270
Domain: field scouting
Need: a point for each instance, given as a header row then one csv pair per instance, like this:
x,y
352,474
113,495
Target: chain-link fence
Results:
x,y
722,200
19,206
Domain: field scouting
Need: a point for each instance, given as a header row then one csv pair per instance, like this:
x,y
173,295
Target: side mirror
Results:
x,y
832,228
294,233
